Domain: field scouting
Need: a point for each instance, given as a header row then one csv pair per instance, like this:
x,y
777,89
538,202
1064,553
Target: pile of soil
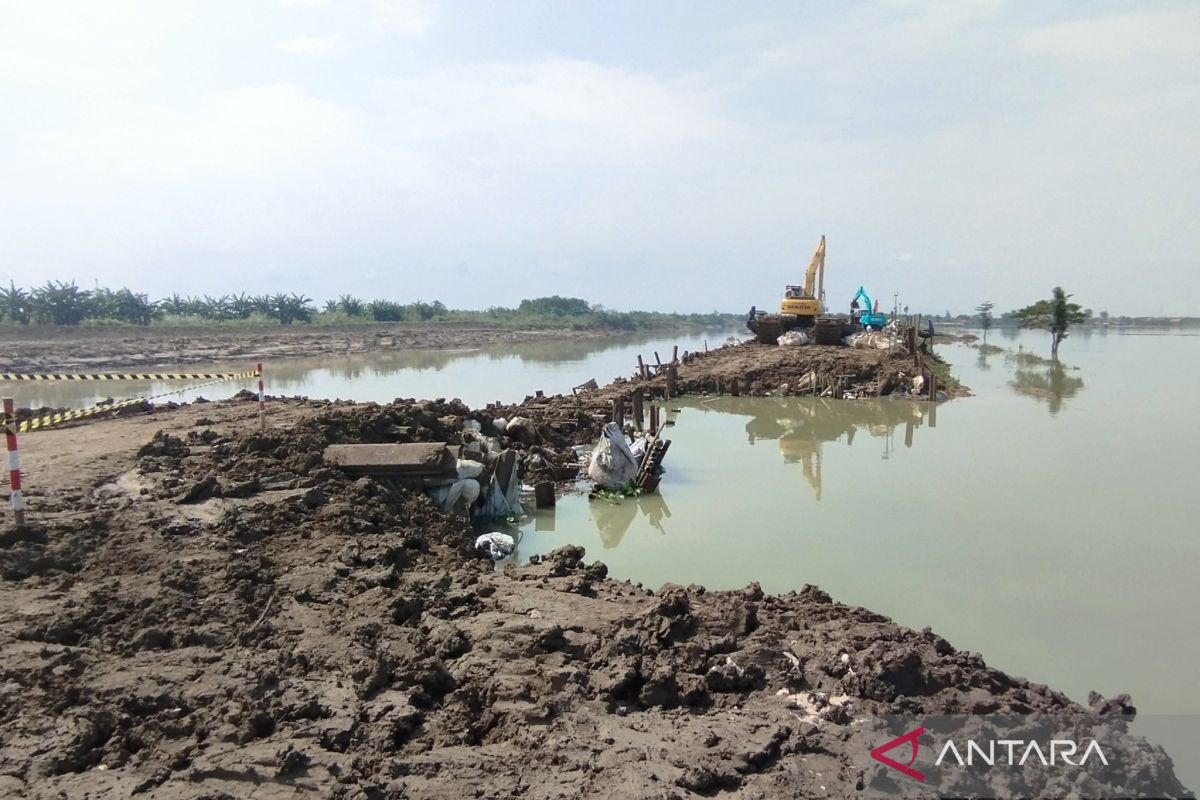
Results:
x,y
780,370
207,611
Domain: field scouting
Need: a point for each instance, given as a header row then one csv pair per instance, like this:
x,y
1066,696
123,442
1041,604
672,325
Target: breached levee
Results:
x,y
753,369
296,630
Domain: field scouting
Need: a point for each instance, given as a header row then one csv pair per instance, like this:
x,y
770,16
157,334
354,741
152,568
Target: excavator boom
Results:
x,y
816,273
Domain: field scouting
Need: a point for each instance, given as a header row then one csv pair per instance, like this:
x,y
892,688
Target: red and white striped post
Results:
x,y
14,462
262,402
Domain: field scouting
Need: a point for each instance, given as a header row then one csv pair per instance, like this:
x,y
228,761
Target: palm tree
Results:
x,y
61,303
14,304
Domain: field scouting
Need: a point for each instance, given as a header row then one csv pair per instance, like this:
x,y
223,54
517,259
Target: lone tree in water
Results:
x,y
1056,315
985,317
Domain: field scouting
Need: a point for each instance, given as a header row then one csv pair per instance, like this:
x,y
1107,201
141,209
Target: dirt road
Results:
x,y
204,610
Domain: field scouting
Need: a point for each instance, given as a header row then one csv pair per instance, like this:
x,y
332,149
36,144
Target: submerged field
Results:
x,y
327,633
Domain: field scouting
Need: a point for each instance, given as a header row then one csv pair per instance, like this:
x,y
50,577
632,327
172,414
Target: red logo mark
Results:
x,y
911,738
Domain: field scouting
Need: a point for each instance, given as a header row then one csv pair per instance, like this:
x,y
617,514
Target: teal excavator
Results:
x,y
867,314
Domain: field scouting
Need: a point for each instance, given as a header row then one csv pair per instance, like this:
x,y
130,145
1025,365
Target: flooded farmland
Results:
x,y
1044,522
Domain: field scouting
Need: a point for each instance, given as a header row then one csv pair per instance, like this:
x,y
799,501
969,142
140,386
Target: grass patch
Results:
x,y
941,371
613,495
1023,358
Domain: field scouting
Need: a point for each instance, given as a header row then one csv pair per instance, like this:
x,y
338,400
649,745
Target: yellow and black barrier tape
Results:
x,y
127,376
68,416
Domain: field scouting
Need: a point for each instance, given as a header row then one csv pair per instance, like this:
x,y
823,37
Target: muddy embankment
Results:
x,y
67,349
204,609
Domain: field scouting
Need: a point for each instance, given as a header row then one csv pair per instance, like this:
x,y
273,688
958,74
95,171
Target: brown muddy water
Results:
x,y
1048,522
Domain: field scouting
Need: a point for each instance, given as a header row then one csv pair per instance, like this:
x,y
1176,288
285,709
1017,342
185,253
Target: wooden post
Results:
x,y
618,412
657,360
653,420
14,462
641,368
675,355
672,382
913,338
543,494
262,404
639,418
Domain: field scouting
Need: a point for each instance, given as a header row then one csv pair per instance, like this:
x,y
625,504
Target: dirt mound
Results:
x,y
228,615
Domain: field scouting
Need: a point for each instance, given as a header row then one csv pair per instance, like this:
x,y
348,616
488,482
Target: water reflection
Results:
x,y
1050,382
612,518
502,372
802,426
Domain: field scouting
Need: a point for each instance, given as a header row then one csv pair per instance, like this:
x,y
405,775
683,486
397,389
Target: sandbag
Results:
x,y
613,465
873,340
468,468
793,339
496,545
522,429
464,491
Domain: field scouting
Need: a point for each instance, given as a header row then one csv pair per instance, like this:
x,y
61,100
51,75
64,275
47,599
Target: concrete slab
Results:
x,y
424,460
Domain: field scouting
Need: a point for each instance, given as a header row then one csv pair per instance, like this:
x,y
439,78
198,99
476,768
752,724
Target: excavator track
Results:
x,y
768,330
828,330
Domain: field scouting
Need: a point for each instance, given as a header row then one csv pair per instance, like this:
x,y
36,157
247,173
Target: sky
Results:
x,y
658,154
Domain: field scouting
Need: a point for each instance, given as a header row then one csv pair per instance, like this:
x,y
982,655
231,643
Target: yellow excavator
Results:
x,y
802,307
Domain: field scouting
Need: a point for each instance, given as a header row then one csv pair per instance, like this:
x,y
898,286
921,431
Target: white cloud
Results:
x,y
407,17
947,134
311,45
252,131
88,48
554,111
382,17
1116,37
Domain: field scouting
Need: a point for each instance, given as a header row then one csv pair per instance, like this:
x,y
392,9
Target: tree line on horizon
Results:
x,y
63,303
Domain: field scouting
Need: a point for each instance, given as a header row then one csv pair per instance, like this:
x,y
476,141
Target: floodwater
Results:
x,y
475,376
1048,522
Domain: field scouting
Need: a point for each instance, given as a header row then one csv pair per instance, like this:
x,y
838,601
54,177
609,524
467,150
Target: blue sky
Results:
x,y
669,155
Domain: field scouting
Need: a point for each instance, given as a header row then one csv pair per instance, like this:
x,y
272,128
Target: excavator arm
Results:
x,y
814,277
